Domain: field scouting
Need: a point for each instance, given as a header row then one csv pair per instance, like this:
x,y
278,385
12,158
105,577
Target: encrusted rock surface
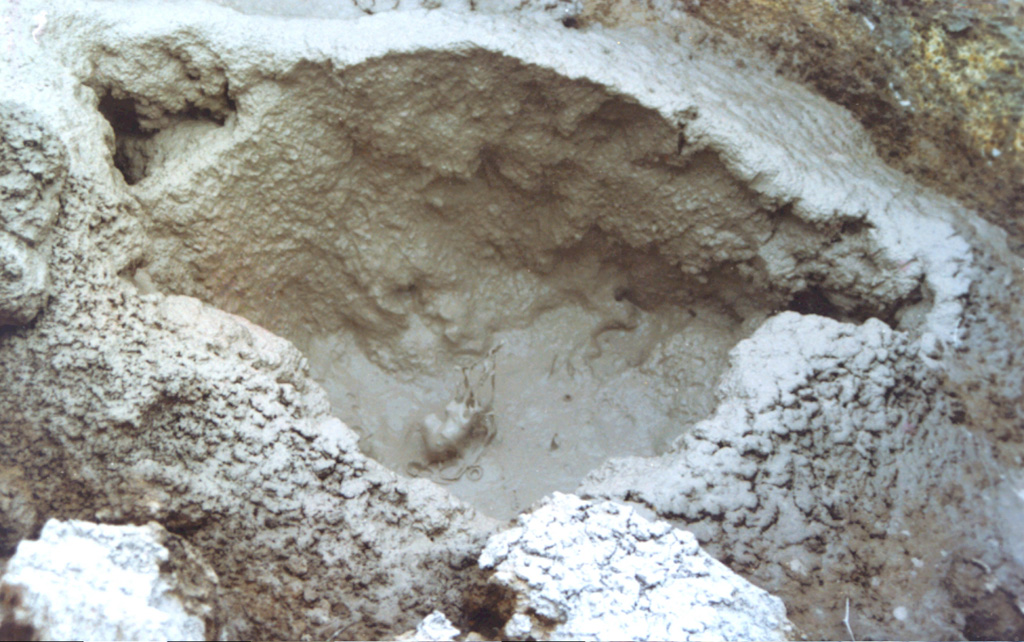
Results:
x,y
33,168
584,570
179,182
825,469
97,582
937,83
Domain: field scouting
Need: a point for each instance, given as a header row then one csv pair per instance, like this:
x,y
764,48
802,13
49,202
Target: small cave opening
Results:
x,y
123,117
141,134
818,301
996,616
814,300
121,114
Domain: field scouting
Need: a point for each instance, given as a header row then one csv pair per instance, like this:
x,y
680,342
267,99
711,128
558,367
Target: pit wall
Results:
x,y
122,408
517,156
397,215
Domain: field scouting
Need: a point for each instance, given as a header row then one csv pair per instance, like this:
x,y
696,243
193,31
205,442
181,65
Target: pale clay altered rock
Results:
x,y
584,570
825,429
218,228
389,212
83,581
434,628
33,167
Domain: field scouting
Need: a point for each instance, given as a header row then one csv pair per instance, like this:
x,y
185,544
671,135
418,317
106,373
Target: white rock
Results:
x,y
89,581
436,628
588,571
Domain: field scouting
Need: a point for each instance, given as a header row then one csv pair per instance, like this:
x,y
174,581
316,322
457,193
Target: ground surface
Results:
x,y
266,280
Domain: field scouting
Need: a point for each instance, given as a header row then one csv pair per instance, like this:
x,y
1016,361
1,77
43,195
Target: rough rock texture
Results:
x,y
434,628
937,83
410,201
298,518
33,168
822,474
416,177
126,408
96,582
599,571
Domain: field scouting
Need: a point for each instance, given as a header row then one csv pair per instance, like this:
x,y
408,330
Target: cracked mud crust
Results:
x,y
244,257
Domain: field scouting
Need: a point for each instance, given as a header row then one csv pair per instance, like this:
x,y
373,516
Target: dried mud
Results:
x,y
332,300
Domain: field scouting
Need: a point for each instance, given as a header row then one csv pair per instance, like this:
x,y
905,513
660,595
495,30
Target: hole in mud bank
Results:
x,y
990,612
1000,620
128,132
815,300
501,277
137,130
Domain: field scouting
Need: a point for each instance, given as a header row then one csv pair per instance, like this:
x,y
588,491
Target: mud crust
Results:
x,y
809,357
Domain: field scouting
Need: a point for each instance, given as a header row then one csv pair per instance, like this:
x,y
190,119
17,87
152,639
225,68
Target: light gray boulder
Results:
x,y
101,582
585,570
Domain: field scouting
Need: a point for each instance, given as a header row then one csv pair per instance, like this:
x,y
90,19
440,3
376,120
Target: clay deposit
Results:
x,y
333,293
